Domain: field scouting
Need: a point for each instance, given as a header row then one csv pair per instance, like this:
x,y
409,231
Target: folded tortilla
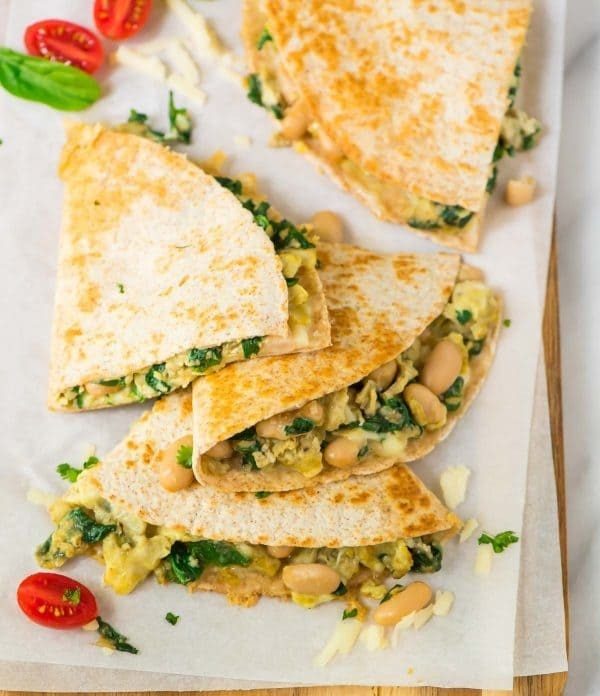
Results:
x,y
164,275
406,105
384,309
118,512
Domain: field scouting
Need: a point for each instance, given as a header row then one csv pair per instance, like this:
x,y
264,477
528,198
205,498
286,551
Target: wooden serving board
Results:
x,y
537,685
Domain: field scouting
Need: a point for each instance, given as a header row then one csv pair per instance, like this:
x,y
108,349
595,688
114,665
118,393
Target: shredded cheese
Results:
x,y
180,84
148,65
242,140
183,62
341,641
444,599
454,482
404,624
373,638
422,617
483,561
466,532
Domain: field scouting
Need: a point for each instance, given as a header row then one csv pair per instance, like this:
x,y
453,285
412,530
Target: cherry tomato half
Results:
x,y
120,19
65,42
56,601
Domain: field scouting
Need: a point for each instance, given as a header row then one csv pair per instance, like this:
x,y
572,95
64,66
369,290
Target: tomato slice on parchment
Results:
x,y
120,19
65,42
56,601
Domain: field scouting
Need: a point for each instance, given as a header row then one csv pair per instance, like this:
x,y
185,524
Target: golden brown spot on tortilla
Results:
x,y
72,333
147,454
130,444
186,406
166,291
184,280
360,498
338,497
157,337
129,463
482,120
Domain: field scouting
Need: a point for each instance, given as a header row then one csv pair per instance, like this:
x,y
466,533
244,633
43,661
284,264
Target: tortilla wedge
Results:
x,y
362,512
164,276
381,307
404,104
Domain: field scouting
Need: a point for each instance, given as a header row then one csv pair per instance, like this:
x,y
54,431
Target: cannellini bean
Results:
x,y
313,410
279,551
273,427
172,476
328,226
425,406
222,450
441,367
310,578
342,452
520,191
467,272
95,389
383,376
412,598
295,121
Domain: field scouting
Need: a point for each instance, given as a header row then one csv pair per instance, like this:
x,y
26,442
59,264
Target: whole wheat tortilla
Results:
x,y
412,93
362,511
157,258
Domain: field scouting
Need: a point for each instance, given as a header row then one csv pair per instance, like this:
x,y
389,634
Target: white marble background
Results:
x,y
579,261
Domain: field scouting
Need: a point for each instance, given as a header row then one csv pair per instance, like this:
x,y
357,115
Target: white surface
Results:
x,y
514,273
579,261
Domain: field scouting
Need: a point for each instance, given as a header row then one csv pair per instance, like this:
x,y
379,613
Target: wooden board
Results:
x,y
540,685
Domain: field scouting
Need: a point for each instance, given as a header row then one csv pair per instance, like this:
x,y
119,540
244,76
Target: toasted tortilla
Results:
x,y
363,511
157,258
378,305
412,94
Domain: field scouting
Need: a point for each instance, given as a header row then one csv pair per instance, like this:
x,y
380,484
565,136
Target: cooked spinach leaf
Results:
x,y
423,224
116,639
154,381
255,95
91,531
452,397
171,618
427,558
463,315
391,592
180,125
392,416
234,185
251,346
200,359
188,559
456,215
299,426
349,613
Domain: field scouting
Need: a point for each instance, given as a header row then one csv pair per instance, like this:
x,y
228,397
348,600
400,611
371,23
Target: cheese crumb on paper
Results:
x,y
373,638
444,600
453,482
483,561
341,642
468,529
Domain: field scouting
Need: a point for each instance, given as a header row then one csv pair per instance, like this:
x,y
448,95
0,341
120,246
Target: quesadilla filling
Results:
x,y
131,549
378,416
296,249
270,88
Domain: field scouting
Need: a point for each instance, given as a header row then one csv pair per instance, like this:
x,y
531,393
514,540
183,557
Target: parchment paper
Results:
x,y
274,642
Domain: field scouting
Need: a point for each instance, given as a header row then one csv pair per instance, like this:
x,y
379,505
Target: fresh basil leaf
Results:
x,y
47,81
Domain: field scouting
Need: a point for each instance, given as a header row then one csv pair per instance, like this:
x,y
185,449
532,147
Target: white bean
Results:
x,y
310,578
442,367
413,597
171,474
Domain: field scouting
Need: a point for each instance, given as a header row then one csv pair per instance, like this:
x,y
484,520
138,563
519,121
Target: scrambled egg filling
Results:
x,y
378,421
269,88
296,249
87,524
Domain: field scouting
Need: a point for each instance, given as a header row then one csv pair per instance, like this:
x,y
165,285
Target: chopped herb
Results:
x,y
180,125
264,37
423,224
70,473
491,182
79,399
234,185
499,542
91,461
391,592
263,494
251,346
427,558
184,456
187,560
201,359
300,426
137,117
135,392
121,288
171,618
91,531
498,151
349,613
247,448
507,323
116,639
72,595
283,233
153,380
341,590
464,315
254,94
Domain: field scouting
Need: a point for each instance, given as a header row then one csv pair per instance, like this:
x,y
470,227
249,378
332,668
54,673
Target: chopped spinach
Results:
x,y
155,382
247,448
263,494
499,542
363,451
391,592
476,347
507,322
234,185
251,346
300,426
427,558
188,559
247,434
117,640
464,315
264,37
291,281
119,382
452,397
349,613
491,182
135,391
201,359
79,399
456,215
171,618
180,125
255,95
423,224
283,233
184,456
91,531
394,415
121,288
341,590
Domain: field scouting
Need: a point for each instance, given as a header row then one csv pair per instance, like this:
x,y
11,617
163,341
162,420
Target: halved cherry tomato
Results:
x,y
56,601
66,42
120,19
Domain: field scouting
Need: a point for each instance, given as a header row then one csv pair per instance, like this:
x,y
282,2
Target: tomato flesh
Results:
x,y
120,19
56,601
65,42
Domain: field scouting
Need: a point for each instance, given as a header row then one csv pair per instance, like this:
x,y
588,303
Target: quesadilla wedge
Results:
x,y
165,275
413,338
408,106
362,531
